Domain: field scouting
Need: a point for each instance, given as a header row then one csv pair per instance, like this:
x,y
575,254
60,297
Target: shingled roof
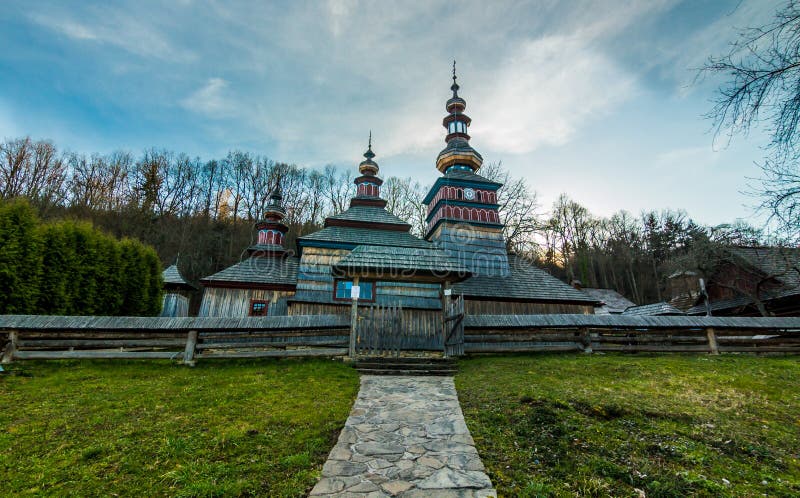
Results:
x,y
401,262
526,281
459,174
368,214
262,271
779,263
655,309
173,278
613,301
782,263
350,237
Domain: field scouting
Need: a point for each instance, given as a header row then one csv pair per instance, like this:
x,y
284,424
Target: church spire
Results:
x,y
454,86
368,184
458,154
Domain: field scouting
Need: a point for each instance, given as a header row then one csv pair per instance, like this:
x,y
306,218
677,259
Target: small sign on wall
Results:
x,y
355,292
448,292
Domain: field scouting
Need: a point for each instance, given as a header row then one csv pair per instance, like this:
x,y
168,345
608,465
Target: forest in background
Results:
x,y
205,212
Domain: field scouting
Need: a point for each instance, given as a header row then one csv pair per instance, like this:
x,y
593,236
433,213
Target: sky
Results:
x,y
596,99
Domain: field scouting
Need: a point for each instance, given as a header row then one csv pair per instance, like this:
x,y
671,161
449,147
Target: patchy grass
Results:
x,y
609,425
153,428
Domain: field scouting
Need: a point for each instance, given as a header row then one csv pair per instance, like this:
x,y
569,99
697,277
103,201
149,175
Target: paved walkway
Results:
x,y
405,437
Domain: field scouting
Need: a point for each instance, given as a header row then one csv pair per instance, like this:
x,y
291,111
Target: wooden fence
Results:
x,y
187,339
591,333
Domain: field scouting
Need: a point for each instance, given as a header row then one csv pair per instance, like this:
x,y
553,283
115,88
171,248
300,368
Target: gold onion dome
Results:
x,y
368,167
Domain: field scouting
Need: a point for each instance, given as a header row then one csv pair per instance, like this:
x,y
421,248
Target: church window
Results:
x,y
259,307
342,290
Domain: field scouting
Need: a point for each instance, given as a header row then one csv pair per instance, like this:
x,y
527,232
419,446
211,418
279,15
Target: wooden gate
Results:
x,y
388,330
454,328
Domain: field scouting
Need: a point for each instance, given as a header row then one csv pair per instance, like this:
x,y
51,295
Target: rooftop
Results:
x,y
526,281
655,309
613,301
266,271
400,263
173,278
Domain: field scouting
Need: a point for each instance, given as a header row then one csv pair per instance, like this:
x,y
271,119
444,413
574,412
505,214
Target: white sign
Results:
x,y
448,292
355,292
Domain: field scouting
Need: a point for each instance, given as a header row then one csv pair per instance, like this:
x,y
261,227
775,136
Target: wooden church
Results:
x,y
368,252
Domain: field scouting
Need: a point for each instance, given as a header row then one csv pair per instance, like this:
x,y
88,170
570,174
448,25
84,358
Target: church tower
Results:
x,y
463,216
368,185
271,229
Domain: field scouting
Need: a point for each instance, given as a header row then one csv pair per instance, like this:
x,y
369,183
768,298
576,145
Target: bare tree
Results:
x,y
339,187
518,208
34,170
762,87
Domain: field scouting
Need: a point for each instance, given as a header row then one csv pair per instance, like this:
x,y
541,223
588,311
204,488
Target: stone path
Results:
x,y
405,437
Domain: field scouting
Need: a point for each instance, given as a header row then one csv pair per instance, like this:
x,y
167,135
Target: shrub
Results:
x,y
71,268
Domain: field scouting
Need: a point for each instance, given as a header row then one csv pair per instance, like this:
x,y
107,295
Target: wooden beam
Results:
x,y
115,354
712,341
353,324
11,347
191,346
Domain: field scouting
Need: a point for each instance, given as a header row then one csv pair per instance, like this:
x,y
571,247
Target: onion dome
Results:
x,y
368,184
458,154
271,229
368,167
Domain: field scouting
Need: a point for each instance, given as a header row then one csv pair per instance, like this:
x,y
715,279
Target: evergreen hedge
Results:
x,y
71,268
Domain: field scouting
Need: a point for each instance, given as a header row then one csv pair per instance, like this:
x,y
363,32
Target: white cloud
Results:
x,y
686,159
128,31
545,91
338,13
211,100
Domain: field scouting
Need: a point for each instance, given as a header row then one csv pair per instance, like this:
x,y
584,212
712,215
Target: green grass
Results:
x,y
223,428
608,425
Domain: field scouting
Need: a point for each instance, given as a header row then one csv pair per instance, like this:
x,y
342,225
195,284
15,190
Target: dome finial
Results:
x,y
455,86
369,154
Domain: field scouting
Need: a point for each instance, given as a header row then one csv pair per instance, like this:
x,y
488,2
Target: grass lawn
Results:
x,y
154,428
608,425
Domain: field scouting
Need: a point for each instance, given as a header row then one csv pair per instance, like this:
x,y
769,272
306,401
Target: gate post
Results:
x,y
11,347
713,348
191,346
351,351
446,292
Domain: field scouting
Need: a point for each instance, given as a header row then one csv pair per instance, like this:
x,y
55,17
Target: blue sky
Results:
x,y
593,98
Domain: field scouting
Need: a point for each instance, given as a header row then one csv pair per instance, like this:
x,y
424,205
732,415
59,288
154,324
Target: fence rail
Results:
x,y
609,333
186,339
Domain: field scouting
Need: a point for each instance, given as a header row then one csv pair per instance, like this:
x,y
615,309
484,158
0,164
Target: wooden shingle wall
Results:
x,y
315,286
475,307
481,249
232,302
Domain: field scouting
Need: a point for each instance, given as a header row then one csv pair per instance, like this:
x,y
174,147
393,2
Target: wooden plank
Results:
x,y
531,347
78,354
760,349
654,349
713,348
191,344
11,347
631,322
276,353
97,343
